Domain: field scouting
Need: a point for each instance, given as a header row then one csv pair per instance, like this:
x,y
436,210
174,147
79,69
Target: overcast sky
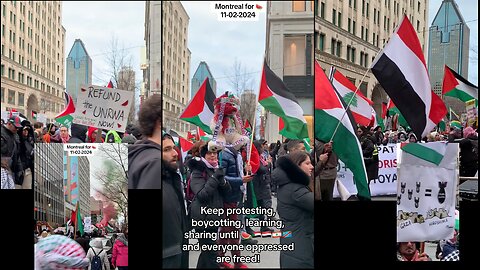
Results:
x,y
469,11
219,43
96,23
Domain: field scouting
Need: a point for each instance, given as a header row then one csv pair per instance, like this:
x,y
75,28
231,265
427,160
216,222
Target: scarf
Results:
x,y
209,165
65,140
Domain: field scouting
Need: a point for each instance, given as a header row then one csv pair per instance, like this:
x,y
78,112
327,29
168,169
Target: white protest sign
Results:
x,y
427,180
102,107
88,223
386,184
5,115
42,118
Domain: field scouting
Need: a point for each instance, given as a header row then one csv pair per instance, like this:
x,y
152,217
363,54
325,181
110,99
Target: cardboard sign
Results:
x,y
102,107
426,194
385,184
472,113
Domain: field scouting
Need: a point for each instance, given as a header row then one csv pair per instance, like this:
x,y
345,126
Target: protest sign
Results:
x,y
102,107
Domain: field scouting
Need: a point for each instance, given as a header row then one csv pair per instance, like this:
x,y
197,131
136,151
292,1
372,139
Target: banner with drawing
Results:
x,y
102,107
385,184
427,180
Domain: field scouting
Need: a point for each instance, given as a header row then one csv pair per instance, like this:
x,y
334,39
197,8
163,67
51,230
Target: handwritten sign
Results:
x,y
104,108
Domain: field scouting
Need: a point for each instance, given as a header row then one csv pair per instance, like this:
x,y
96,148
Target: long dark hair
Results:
x,y
298,157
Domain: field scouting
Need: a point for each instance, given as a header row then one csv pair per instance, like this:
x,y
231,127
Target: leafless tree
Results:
x,y
120,63
114,176
241,82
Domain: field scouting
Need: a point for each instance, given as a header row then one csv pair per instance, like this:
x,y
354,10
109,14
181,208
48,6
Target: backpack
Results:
x,y
96,263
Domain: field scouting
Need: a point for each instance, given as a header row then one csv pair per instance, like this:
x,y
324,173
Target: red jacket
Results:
x,y
119,254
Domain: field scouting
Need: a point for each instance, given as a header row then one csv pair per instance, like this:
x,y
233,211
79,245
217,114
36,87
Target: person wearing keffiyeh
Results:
x,y
59,252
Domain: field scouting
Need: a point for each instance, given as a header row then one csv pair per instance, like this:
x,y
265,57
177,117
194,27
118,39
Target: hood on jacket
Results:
x,y
135,149
122,240
113,137
289,172
79,132
96,243
195,163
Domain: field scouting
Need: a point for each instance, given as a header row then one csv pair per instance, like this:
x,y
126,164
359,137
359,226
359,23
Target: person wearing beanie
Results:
x,y
208,184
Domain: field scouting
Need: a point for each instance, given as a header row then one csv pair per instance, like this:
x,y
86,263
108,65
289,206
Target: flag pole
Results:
x,y
249,154
332,70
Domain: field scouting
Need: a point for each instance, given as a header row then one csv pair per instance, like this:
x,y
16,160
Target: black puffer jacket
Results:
x,y
295,208
208,185
174,217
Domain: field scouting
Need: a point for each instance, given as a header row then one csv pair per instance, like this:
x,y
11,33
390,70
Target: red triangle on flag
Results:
x,y
110,84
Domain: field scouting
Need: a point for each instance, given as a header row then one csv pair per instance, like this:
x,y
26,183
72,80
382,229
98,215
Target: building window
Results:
x,y
11,97
315,8
418,26
363,7
3,70
349,25
366,59
2,94
322,42
322,10
340,19
21,98
366,34
355,4
384,22
294,55
298,6
349,51
374,16
334,16
354,27
361,58
332,47
418,7
368,5
353,54
339,48
361,34
350,3
373,40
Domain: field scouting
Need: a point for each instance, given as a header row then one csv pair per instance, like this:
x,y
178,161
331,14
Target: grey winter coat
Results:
x,y
295,208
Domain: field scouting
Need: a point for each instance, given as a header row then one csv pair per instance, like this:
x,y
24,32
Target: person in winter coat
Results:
x,y
370,153
62,137
96,248
113,137
145,156
208,184
174,217
295,208
7,178
27,142
79,133
468,153
326,169
120,252
261,187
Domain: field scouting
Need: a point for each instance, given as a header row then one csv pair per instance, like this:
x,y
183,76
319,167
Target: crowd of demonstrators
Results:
x,y
17,153
144,159
83,252
231,179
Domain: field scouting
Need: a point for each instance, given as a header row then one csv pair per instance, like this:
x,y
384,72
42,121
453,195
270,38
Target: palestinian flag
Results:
x,y
200,109
432,153
401,70
65,118
359,105
384,110
329,110
376,121
248,128
110,84
191,137
201,135
185,146
456,124
79,226
34,115
275,97
456,86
